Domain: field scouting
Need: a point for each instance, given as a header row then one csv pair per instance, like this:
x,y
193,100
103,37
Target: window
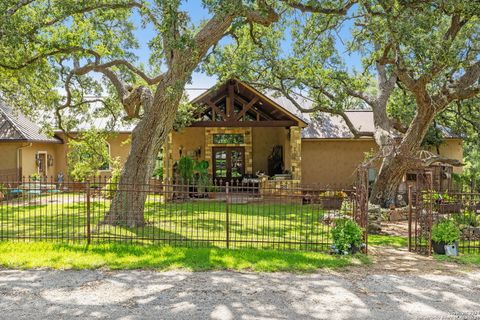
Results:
x,y
228,138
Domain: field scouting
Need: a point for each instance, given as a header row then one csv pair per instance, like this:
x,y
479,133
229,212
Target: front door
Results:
x,y
228,163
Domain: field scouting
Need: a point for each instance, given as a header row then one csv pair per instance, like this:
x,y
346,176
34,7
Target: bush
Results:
x,y
111,187
347,236
467,218
445,231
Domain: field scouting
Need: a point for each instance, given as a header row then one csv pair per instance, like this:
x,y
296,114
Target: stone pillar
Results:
x,y
296,152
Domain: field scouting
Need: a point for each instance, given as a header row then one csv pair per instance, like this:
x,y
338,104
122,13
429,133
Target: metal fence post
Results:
x,y
227,215
89,236
410,218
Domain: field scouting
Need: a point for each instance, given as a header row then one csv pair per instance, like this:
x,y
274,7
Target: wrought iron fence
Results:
x,y
285,216
430,207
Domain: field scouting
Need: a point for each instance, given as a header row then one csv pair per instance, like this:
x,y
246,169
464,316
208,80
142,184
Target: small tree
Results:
x,y
87,155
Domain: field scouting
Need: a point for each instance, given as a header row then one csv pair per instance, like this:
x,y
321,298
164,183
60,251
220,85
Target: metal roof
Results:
x,y
15,126
323,125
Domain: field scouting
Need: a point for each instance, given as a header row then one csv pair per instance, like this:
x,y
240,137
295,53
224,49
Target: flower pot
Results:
x,y
438,247
451,249
212,195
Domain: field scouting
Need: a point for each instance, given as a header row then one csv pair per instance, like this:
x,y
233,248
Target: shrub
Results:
x,y
445,231
112,185
347,236
186,168
467,218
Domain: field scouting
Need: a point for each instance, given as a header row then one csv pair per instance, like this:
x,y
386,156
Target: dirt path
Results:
x,y
399,286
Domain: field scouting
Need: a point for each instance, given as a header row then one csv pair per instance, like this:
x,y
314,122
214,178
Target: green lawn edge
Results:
x,y
162,258
465,259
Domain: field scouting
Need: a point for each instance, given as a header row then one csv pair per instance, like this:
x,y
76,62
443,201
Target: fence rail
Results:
x,y
432,207
231,215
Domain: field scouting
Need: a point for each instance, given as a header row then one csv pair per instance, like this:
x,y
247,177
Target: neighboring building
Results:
x,y
241,132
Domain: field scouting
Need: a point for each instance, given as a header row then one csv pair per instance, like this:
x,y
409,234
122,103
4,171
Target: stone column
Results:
x,y
296,152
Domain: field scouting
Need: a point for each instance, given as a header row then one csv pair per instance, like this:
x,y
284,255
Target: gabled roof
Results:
x,y
15,126
235,103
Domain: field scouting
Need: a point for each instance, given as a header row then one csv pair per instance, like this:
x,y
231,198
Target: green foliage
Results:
x,y
158,173
185,168
202,177
87,155
445,231
346,235
466,218
112,184
35,177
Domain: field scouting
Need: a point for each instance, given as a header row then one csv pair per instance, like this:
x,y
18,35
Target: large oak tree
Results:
x,y
428,49
48,44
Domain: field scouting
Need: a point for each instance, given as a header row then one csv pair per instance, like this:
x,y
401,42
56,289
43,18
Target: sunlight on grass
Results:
x,y
467,259
386,240
121,256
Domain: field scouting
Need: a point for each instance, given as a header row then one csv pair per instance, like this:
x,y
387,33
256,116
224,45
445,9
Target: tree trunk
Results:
x,y
401,158
149,135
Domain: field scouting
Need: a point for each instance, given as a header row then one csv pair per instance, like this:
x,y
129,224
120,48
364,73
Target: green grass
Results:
x,y
122,256
386,240
179,224
467,259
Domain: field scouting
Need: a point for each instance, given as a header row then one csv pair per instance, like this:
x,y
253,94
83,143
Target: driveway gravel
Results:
x,y
47,294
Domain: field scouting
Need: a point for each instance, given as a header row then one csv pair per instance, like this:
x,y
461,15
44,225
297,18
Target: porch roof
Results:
x,y
237,104
16,127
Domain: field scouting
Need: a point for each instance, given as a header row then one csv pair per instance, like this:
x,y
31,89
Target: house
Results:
x,y
241,132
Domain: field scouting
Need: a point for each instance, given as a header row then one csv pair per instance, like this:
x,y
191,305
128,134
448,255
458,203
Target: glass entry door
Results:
x,y
228,163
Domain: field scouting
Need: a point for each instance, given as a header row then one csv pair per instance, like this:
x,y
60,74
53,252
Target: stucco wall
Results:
x,y
333,162
264,139
28,161
8,155
188,140
452,148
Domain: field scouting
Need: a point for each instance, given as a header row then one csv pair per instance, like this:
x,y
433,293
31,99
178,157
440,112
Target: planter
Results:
x,y
451,249
212,195
438,247
446,208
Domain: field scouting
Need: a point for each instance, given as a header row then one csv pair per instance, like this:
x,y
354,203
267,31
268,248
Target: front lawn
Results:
x,y
285,225
123,256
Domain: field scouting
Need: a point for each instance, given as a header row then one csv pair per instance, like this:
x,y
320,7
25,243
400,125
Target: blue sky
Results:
x,y
197,14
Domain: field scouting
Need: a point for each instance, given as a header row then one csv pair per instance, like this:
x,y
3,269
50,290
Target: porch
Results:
x,y
243,135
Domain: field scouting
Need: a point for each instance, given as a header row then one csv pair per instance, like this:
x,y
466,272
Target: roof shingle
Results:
x,y
15,126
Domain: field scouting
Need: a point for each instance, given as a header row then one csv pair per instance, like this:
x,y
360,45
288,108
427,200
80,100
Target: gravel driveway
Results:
x,y
355,293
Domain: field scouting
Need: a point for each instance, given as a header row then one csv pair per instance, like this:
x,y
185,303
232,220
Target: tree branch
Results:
x,y
318,9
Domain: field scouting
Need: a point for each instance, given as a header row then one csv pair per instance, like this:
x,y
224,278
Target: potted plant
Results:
x,y
201,176
445,236
212,191
347,236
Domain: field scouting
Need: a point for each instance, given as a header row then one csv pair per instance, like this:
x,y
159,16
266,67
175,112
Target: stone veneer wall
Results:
x,y
247,132
296,152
